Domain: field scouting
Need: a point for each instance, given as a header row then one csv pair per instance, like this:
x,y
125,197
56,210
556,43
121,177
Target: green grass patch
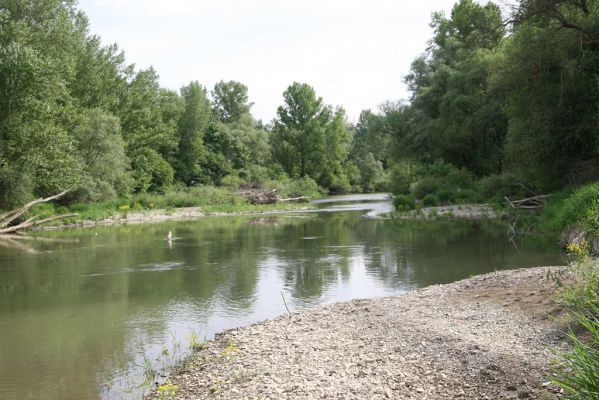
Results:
x,y
577,371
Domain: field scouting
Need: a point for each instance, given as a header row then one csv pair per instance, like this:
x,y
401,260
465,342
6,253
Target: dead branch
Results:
x,y
301,198
32,222
7,218
528,203
259,196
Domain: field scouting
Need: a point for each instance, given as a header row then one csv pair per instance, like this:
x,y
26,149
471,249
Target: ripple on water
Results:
x,y
151,267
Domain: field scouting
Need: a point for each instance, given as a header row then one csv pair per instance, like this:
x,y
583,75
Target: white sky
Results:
x,y
353,52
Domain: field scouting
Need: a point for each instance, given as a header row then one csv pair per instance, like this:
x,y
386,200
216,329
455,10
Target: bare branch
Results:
x,y
12,215
30,222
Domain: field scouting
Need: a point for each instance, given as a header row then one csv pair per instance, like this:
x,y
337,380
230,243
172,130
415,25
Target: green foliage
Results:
x,y
296,187
310,139
151,172
446,196
404,202
230,101
102,153
468,196
577,371
430,200
580,208
403,175
426,186
16,188
193,124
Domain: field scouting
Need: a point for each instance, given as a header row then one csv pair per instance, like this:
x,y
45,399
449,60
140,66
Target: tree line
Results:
x,y
74,114
495,98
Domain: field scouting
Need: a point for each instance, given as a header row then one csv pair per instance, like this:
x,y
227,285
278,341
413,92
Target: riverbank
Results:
x,y
466,211
178,214
490,336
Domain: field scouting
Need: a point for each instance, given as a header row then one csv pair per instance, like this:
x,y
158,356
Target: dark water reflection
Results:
x,y
79,318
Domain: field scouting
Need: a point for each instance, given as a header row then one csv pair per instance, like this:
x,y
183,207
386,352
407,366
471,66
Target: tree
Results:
x,y
147,129
102,153
298,130
309,139
230,100
193,124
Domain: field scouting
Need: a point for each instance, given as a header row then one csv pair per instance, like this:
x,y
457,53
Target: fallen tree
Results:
x,y
10,220
257,195
528,203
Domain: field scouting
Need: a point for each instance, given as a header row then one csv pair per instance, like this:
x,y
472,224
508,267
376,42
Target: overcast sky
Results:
x,y
353,52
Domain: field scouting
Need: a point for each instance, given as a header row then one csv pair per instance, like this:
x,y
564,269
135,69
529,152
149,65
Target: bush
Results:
x,y
498,186
581,208
426,186
296,187
430,200
468,196
403,174
578,370
404,202
446,196
16,188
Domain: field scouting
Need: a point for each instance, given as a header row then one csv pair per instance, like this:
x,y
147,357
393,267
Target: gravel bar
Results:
x,y
488,337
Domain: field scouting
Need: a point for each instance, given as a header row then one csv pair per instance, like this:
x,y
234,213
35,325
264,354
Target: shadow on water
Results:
x,y
78,318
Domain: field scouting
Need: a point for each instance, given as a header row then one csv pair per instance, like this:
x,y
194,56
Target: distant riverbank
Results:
x,y
483,337
177,214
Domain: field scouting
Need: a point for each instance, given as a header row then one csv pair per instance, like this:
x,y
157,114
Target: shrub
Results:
x,y
581,208
16,188
578,370
446,196
468,196
404,202
498,186
424,186
403,175
430,200
296,187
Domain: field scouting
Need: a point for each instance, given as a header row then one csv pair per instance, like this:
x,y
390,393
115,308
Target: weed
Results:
x,y
167,391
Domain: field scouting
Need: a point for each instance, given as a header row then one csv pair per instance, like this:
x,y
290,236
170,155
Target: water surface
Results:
x,y
82,317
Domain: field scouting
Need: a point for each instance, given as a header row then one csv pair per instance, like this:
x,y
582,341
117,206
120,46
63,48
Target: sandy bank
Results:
x,y
486,337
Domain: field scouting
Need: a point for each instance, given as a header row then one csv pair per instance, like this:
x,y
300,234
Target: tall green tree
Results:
x,y
101,150
306,133
193,125
230,100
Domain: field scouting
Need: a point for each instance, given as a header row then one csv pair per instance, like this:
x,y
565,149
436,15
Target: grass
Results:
x,y
577,371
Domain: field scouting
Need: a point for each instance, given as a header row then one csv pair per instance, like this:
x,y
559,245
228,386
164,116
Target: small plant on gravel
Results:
x,y
231,349
167,391
195,343
579,251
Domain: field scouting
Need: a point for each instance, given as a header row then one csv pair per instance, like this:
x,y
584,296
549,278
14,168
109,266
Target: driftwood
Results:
x,y
528,203
257,195
9,220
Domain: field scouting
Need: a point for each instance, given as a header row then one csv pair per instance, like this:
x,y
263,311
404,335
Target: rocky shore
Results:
x,y
488,337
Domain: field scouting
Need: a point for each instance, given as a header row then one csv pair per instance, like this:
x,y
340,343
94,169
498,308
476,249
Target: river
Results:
x,y
86,314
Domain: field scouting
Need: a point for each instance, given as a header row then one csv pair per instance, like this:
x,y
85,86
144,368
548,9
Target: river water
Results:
x,y
86,314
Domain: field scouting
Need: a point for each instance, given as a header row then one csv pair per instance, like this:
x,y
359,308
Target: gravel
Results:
x,y
488,337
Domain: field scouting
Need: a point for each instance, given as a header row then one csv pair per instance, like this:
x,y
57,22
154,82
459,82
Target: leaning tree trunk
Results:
x,y
8,220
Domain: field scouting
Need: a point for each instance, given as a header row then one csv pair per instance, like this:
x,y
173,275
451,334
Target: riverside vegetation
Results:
x,y
502,103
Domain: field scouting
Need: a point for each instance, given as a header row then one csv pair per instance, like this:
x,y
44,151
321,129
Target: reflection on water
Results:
x,y
78,315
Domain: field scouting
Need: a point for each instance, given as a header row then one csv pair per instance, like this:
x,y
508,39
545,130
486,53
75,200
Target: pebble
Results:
x,y
429,344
